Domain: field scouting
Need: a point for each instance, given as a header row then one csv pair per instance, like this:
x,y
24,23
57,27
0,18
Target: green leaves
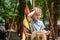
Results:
x,y
9,9
42,4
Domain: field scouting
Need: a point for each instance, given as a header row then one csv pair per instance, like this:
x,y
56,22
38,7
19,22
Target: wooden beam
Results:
x,y
33,4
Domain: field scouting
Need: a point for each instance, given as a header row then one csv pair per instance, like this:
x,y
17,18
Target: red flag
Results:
x,y
24,33
26,10
24,30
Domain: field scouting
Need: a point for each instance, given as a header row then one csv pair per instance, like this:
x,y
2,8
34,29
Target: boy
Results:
x,y
37,25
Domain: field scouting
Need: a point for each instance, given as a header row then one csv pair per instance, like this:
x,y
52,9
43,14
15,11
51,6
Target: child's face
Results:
x,y
36,16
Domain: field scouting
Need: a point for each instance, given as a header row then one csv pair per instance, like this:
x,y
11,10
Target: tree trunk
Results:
x,y
6,23
52,20
55,26
21,7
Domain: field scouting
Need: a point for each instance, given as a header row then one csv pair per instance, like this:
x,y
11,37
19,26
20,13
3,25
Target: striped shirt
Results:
x,y
37,25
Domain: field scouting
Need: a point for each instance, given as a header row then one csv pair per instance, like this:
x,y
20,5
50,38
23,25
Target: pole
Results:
x,y
52,20
33,4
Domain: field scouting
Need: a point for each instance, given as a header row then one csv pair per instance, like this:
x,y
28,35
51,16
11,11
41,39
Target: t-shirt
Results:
x,y
36,25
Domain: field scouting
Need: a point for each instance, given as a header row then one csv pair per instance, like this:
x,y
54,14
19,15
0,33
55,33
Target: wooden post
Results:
x,y
33,4
52,20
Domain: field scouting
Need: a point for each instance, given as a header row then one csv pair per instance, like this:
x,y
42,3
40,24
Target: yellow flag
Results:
x,y
25,22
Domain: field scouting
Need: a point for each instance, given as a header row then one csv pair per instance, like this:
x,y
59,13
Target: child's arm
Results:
x,y
30,15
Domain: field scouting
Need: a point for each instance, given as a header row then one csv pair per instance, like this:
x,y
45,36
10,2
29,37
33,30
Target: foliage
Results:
x,y
57,9
45,6
42,4
8,9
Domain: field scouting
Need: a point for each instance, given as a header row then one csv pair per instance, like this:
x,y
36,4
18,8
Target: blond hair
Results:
x,y
37,9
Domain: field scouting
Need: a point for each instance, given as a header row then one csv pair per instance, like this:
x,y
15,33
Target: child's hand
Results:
x,y
27,34
48,32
